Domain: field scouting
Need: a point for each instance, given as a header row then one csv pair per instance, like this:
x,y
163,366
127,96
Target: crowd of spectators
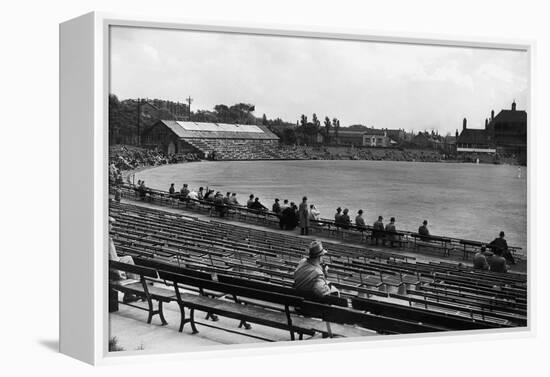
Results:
x,y
129,158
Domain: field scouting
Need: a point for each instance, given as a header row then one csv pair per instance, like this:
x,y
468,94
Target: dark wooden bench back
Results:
x,y
417,315
237,291
146,272
268,287
369,321
151,263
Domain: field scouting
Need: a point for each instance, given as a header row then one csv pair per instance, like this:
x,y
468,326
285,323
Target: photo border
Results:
x,y
102,24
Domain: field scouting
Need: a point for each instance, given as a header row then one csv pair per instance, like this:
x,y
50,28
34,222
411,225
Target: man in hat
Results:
x,y
423,230
501,244
310,275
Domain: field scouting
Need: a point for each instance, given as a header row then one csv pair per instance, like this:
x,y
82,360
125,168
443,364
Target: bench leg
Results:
x,y
151,312
192,321
212,316
182,317
161,315
245,324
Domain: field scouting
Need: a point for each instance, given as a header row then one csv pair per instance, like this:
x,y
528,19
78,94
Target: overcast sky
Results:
x,y
375,84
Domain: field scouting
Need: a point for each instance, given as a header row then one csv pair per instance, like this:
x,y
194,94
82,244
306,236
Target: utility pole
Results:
x,y
189,100
139,122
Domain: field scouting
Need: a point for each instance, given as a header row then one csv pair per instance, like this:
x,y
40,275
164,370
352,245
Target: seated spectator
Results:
x,y
480,260
200,194
209,196
118,194
310,274
233,200
284,215
390,227
171,191
276,208
184,192
257,205
193,195
345,221
338,217
227,199
501,244
314,213
218,204
142,190
359,221
250,201
423,230
113,255
497,263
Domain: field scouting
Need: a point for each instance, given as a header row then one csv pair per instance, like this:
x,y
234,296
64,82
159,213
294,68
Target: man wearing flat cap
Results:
x,y
310,276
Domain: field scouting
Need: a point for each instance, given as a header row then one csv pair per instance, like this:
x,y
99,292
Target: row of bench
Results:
x,y
271,305
412,240
356,275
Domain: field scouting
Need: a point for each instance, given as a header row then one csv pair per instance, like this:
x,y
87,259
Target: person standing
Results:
x,y
501,244
378,229
276,208
303,214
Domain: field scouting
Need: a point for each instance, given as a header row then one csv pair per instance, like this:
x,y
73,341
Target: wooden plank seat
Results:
x,y
441,320
432,301
487,306
456,309
434,242
282,320
141,288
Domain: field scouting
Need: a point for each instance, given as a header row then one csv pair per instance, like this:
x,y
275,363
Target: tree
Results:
x,y
289,136
327,130
336,125
303,120
264,121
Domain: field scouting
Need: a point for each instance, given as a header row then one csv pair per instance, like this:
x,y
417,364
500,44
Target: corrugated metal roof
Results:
x,y
200,130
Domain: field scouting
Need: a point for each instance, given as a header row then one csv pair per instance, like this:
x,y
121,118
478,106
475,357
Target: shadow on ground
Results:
x,y
52,345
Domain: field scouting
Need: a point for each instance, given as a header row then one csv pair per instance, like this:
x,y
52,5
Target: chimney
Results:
x,y
514,106
486,122
492,115
464,121
456,134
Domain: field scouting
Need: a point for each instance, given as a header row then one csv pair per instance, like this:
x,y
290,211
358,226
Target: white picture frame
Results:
x,y
84,83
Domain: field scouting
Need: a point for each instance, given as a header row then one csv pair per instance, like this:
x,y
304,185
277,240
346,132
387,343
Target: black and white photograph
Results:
x,y
275,188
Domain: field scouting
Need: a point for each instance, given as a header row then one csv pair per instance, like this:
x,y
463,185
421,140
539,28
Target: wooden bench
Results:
x,y
440,320
470,247
436,242
140,288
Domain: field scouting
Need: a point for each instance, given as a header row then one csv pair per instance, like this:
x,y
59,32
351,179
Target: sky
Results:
x,y
382,85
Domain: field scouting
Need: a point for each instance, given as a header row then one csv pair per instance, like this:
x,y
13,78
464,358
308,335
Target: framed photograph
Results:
x,y
244,188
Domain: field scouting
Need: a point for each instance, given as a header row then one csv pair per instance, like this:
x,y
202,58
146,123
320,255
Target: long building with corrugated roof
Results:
x,y
220,141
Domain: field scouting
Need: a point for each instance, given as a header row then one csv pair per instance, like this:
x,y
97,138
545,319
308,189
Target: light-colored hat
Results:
x,y
112,219
316,249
